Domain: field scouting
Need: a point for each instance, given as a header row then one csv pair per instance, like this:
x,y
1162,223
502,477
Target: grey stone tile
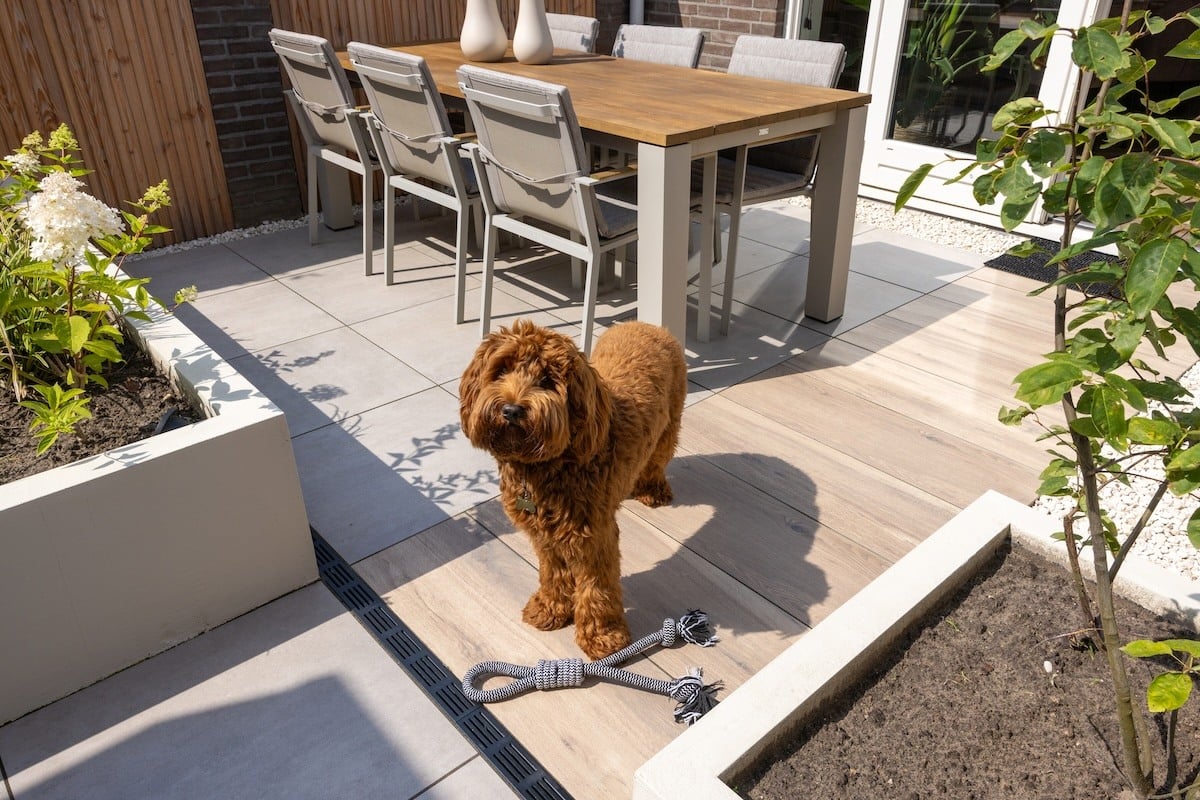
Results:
x,y
914,263
254,318
211,269
474,779
377,478
328,377
292,700
288,252
345,292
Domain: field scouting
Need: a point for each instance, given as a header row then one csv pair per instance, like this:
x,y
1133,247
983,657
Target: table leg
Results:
x,y
835,194
337,207
664,195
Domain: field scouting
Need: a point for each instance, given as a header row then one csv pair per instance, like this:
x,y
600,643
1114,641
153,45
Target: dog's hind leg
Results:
x,y
600,626
552,606
652,488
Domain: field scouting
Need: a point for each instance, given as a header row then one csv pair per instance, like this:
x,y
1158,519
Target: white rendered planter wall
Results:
x,y
842,648
112,559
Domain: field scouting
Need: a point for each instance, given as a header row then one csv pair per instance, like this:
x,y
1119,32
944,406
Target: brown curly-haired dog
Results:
x,y
573,439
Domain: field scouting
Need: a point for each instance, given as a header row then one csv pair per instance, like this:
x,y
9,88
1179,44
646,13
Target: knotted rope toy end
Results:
x,y
695,697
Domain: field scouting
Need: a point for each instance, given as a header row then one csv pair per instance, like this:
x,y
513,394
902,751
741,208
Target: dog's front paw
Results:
x,y
602,640
545,615
652,493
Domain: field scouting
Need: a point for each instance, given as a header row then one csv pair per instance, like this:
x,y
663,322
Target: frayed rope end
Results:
x,y
695,697
694,628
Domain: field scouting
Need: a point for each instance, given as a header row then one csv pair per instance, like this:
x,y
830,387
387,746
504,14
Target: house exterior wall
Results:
x,y
722,20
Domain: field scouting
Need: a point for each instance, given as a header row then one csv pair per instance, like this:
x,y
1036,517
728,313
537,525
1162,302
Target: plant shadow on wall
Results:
x,y
63,298
1139,197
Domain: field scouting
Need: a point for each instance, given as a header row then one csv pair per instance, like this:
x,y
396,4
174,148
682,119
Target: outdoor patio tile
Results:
x,y
376,478
253,318
443,357
917,264
345,292
756,342
328,377
211,269
288,252
782,224
473,779
294,699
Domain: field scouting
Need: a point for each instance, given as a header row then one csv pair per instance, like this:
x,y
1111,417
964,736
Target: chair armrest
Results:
x,y
609,175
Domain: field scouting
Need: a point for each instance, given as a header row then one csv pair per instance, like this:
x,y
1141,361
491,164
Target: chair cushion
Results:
x,y
617,204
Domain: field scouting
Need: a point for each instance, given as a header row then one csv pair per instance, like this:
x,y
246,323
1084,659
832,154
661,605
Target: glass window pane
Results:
x,y
942,98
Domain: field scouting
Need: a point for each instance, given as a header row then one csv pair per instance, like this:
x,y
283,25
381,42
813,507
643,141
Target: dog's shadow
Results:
x,y
735,542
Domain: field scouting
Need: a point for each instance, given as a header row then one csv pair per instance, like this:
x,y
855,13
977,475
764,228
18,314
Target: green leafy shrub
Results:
x,y
62,298
1120,171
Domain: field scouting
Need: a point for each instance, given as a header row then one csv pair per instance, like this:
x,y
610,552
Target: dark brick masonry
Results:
x,y
244,86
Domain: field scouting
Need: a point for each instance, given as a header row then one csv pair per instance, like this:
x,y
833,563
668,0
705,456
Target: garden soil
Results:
x,y
129,410
997,696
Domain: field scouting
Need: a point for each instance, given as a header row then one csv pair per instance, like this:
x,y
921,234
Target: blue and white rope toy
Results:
x,y
695,697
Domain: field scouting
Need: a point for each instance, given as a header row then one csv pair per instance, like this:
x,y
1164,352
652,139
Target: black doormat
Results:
x,y
1034,266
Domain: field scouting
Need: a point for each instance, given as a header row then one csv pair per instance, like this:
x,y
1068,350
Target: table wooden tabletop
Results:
x,y
646,102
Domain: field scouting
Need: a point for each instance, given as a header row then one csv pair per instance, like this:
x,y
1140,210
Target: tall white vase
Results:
x,y
483,37
532,43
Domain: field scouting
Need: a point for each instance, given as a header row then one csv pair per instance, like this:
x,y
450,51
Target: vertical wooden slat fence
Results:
x,y
128,79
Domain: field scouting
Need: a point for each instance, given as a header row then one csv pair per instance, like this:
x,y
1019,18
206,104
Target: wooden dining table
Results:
x,y
675,115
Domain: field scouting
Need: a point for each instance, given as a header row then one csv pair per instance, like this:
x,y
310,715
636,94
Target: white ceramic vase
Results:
x,y
532,43
483,37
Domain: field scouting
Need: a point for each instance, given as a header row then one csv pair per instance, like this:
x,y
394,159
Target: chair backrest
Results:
x,y
319,83
573,32
531,144
676,46
408,111
803,61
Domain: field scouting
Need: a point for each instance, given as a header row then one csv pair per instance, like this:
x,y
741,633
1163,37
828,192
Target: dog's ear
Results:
x,y
474,378
590,407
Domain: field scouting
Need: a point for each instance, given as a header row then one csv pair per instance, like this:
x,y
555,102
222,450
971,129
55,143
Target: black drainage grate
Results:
x,y
490,738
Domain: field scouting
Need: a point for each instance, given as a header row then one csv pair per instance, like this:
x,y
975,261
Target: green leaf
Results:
x,y
1021,111
911,184
1168,692
1047,382
1156,432
1008,44
1045,147
1185,460
1151,273
1171,135
1188,48
1075,248
1193,529
1123,190
1189,646
1146,648
1097,50
1129,392
1013,416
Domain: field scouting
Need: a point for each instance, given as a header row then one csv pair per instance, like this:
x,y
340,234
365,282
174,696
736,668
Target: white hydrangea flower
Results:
x,y
63,219
23,163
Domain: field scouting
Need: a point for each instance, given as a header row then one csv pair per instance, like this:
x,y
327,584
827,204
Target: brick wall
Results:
x,y
244,86
722,20
612,15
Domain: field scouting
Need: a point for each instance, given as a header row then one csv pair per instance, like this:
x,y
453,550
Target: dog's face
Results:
x,y
529,396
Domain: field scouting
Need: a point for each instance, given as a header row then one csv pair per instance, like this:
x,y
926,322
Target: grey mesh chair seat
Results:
x,y
534,180
332,128
770,171
660,44
573,32
417,150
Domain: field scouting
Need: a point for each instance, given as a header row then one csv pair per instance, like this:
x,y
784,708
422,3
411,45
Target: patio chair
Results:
x,y
417,151
332,129
535,182
679,47
770,171
573,32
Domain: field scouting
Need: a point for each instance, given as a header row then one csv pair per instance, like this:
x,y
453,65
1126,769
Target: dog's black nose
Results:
x,y
512,412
